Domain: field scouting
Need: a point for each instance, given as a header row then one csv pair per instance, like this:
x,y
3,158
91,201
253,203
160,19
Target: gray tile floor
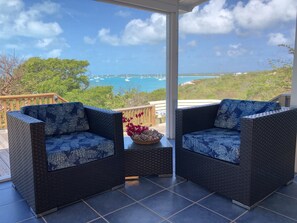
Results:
x,y
154,199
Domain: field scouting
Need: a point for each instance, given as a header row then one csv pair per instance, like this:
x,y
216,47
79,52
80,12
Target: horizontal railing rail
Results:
x,y
283,99
148,118
161,105
15,102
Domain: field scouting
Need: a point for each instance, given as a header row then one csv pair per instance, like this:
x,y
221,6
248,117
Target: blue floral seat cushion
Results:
x,y
223,144
59,118
230,111
75,149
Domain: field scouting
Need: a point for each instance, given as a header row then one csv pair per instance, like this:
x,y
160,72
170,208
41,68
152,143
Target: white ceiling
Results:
x,y
188,5
164,6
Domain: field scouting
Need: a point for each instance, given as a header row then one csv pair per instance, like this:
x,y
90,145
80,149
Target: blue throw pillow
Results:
x,y
59,118
230,111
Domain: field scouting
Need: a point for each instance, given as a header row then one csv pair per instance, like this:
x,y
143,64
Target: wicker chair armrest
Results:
x,y
106,123
26,138
194,119
268,139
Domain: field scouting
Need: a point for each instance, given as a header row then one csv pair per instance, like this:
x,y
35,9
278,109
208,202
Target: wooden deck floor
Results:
x,y
4,157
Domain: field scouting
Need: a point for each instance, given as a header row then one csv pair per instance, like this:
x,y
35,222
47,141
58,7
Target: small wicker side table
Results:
x,y
145,160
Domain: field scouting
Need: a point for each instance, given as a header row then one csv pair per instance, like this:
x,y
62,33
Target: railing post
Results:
x,y
4,114
153,115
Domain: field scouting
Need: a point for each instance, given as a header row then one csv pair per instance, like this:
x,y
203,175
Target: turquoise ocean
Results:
x,y
143,83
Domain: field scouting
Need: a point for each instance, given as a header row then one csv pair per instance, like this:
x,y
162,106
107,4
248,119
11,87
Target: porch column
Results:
x,y
294,84
171,72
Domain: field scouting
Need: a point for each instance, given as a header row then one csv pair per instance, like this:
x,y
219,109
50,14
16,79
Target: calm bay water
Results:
x,y
141,83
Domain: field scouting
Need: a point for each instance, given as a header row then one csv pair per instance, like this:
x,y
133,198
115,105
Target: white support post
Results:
x,y
294,84
171,72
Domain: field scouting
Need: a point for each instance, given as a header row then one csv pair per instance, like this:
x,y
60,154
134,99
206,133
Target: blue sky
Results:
x,y
218,36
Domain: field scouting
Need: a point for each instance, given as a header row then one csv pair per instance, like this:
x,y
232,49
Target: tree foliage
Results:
x,y
102,97
54,75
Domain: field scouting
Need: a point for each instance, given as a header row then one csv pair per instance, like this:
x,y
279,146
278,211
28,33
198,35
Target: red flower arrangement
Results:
x,y
141,134
132,129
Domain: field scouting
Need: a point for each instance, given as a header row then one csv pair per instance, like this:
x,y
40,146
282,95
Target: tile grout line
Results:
x,y
275,212
44,219
138,202
180,211
286,195
128,205
94,210
26,219
214,210
247,211
205,197
166,187
1,206
217,213
144,197
188,198
94,220
193,202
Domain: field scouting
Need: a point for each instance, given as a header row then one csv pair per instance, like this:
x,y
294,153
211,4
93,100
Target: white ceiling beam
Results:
x,y
164,6
188,5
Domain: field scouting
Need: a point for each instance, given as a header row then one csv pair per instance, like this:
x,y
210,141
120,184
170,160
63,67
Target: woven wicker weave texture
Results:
x,y
45,190
267,154
144,160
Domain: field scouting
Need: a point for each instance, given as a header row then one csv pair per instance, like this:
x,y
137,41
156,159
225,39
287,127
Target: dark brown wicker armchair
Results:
x,y
46,190
267,153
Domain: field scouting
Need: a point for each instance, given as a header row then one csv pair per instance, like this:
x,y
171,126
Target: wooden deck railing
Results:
x,y
148,118
15,102
283,99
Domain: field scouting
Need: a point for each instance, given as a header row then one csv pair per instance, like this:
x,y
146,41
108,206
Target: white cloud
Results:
x,y
213,18
137,31
192,43
89,40
123,14
276,39
54,53
16,20
148,31
43,43
105,37
51,43
236,50
234,46
217,17
8,7
45,7
218,53
260,14
14,46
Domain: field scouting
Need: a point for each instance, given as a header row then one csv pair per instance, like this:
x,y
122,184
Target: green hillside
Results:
x,y
263,85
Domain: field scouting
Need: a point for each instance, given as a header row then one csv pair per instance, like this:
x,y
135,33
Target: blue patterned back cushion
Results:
x,y
59,118
230,111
